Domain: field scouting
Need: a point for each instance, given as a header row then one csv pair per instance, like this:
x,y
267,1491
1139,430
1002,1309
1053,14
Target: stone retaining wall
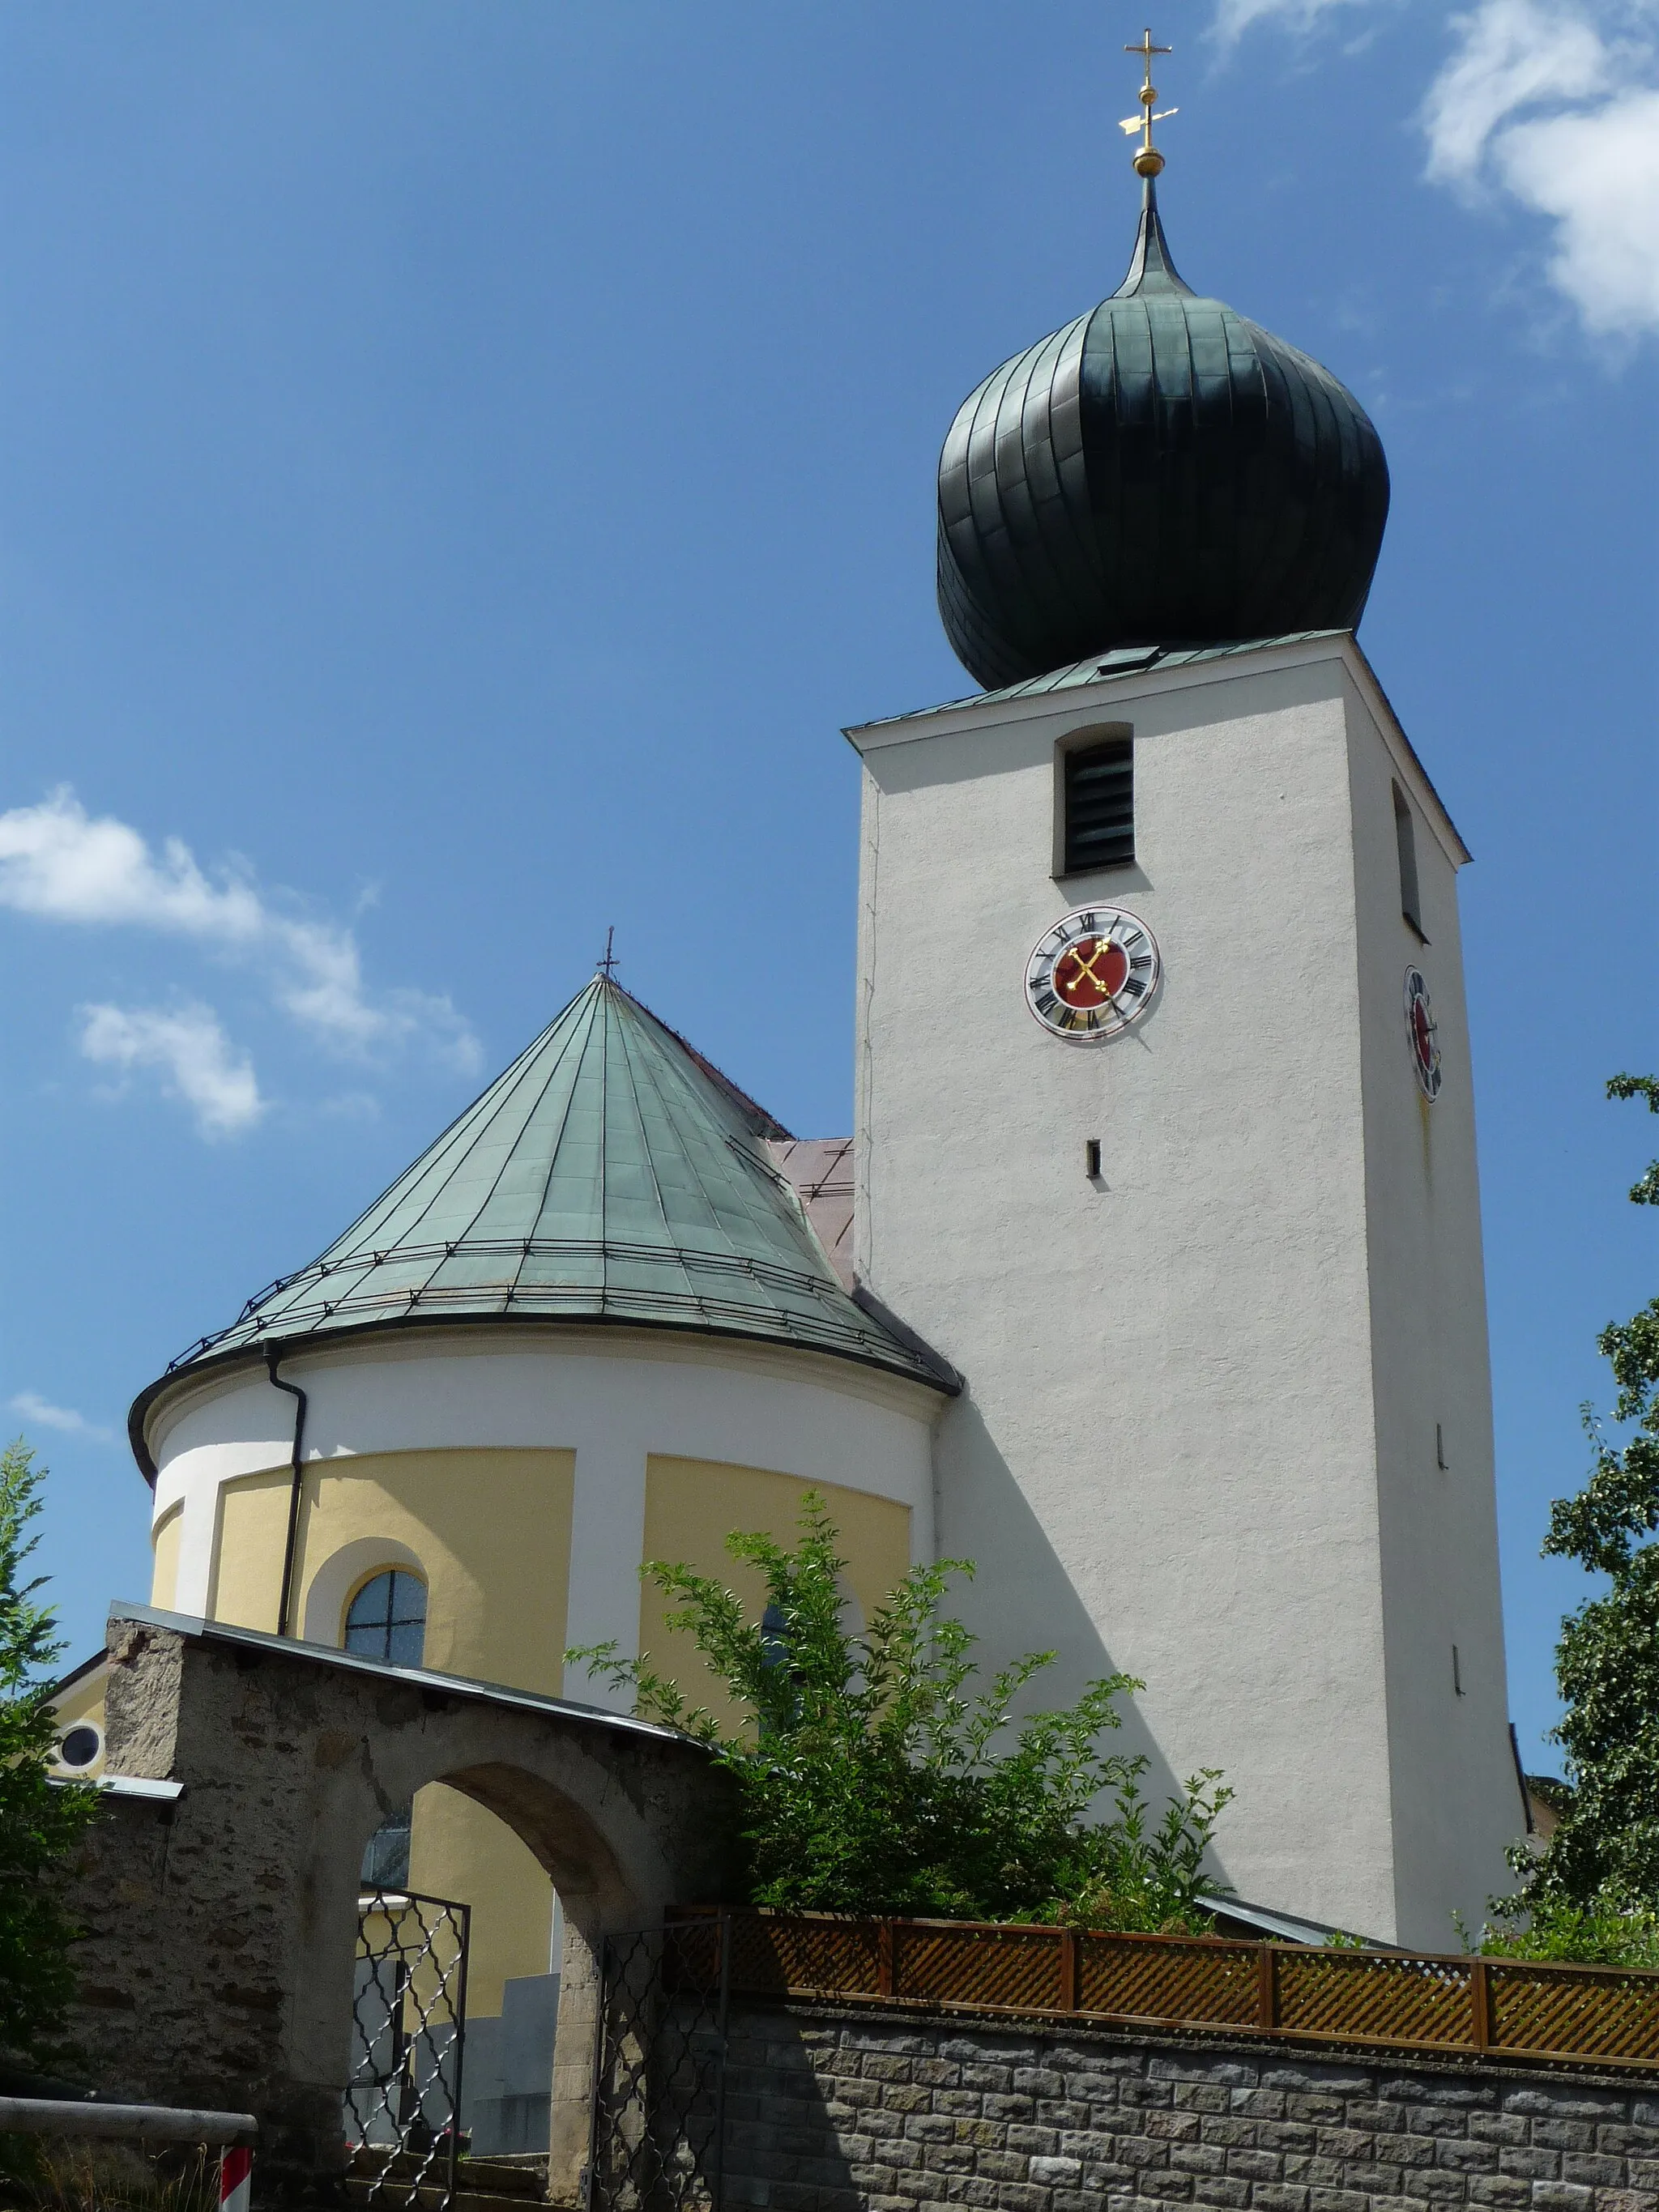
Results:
x,y
830,2113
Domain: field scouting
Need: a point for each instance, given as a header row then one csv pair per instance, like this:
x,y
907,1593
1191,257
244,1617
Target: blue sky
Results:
x,y
460,465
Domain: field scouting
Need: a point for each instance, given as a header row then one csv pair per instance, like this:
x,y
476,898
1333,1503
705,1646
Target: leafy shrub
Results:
x,y
1611,1930
40,1821
874,1776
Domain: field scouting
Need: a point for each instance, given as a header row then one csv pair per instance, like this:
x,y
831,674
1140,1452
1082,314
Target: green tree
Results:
x,y
1607,1661
1593,1893
40,1821
874,1776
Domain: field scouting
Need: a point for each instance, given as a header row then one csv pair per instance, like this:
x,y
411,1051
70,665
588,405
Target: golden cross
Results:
x,y
1148,49
1148,162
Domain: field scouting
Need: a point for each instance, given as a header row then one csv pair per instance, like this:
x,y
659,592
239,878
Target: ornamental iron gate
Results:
x,y
409,2012
658,2126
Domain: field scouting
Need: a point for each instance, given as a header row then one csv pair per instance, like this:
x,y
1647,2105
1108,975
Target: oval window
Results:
x,y
386,1619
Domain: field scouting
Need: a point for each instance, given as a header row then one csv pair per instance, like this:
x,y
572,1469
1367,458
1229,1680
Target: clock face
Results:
x,y
1421,1036
1092,974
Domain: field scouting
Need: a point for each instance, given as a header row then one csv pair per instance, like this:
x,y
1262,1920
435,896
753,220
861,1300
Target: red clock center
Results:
x,y
1089,972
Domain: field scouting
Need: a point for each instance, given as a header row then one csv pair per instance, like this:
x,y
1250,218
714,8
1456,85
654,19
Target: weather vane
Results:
x,y
607,966
1148,160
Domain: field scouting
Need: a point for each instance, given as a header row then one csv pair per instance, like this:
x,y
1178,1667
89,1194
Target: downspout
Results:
x,y
297,1460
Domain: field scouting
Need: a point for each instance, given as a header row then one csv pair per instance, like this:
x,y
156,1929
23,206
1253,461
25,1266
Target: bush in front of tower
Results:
x,y
876,1775
1592,1894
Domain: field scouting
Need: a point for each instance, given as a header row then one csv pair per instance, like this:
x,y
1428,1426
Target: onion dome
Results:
x,y
1161,472
611,1174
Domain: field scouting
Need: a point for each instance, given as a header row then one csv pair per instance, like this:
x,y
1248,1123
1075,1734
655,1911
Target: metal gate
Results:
x,y
409,2011
658,2137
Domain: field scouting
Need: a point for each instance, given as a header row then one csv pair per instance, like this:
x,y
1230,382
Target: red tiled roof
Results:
x,y
821,1169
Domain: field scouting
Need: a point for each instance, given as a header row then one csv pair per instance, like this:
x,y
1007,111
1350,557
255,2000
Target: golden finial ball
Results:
x,y
1149,162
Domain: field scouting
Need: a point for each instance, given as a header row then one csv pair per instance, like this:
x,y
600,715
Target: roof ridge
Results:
x,y
764,1124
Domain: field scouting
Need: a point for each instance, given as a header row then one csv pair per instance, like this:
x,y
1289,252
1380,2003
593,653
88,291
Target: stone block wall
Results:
x,y
830,2113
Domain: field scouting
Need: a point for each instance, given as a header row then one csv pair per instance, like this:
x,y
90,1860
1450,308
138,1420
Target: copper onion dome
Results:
x,y
1161,471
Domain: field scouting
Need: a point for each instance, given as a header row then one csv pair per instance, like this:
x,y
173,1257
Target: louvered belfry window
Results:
x,y
1100,804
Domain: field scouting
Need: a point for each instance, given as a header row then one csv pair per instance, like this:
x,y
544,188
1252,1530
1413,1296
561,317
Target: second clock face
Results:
x,y
1092,974
1421,1035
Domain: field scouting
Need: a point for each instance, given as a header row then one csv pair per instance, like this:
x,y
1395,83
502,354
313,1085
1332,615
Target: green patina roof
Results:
x,y
610,1174
1099,667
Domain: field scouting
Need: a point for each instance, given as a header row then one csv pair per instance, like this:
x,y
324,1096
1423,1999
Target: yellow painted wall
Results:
x,y
83,1701
691,1506
164,1543
245,1586
460,1850
492,1532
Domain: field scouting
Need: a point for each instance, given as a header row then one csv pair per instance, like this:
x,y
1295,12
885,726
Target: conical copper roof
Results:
x,y
610,1174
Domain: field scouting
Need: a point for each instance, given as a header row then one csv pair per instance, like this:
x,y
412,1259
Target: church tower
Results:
x,y
1165,1134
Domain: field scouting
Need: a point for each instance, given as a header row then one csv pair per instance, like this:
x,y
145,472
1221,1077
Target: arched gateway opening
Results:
x,y
458,1967
504,1943
237,1932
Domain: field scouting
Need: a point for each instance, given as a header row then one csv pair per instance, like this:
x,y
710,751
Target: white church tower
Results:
x,y
1165,1133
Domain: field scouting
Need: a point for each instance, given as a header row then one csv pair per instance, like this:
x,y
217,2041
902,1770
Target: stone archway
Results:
x,y
221,1914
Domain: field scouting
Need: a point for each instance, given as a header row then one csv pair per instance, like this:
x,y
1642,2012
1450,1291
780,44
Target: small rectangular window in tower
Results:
x,y
1439,1446
1405,835
1099,805
1092,1158
1457,1673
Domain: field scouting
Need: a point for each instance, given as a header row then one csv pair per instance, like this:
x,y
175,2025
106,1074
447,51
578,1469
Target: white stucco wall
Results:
x,y
1168,1460
613,1397
1457,1800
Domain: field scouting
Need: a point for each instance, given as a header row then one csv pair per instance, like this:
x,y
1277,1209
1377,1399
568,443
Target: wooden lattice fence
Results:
x,y
1378,2000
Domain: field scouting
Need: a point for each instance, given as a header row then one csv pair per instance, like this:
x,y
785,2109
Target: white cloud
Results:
x,y
59,863
1597,176
44,1415
195,1058
1513,54
1557,106
1560,109
324,990
1233,16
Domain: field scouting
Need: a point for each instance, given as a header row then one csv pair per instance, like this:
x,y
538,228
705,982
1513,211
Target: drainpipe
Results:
x,y
297,1460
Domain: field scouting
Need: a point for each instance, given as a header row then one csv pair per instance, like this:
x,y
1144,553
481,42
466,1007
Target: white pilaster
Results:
x,y
607,1541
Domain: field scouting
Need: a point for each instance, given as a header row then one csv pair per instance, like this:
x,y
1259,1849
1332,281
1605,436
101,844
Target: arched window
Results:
x,y
386,1619
774,1636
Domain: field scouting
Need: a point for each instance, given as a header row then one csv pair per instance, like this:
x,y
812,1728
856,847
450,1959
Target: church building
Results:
x,y
1150,1276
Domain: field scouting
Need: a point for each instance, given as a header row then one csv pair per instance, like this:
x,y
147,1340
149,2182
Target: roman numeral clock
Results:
x,y
1092,974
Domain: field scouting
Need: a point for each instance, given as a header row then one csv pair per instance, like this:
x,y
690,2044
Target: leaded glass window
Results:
x,y
386,1619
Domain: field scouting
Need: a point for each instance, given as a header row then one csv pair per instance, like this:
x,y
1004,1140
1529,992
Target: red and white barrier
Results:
x,y
235,2179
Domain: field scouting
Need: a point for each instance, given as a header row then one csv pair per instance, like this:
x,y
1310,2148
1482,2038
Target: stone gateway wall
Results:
x,y
831,2113
222,1917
